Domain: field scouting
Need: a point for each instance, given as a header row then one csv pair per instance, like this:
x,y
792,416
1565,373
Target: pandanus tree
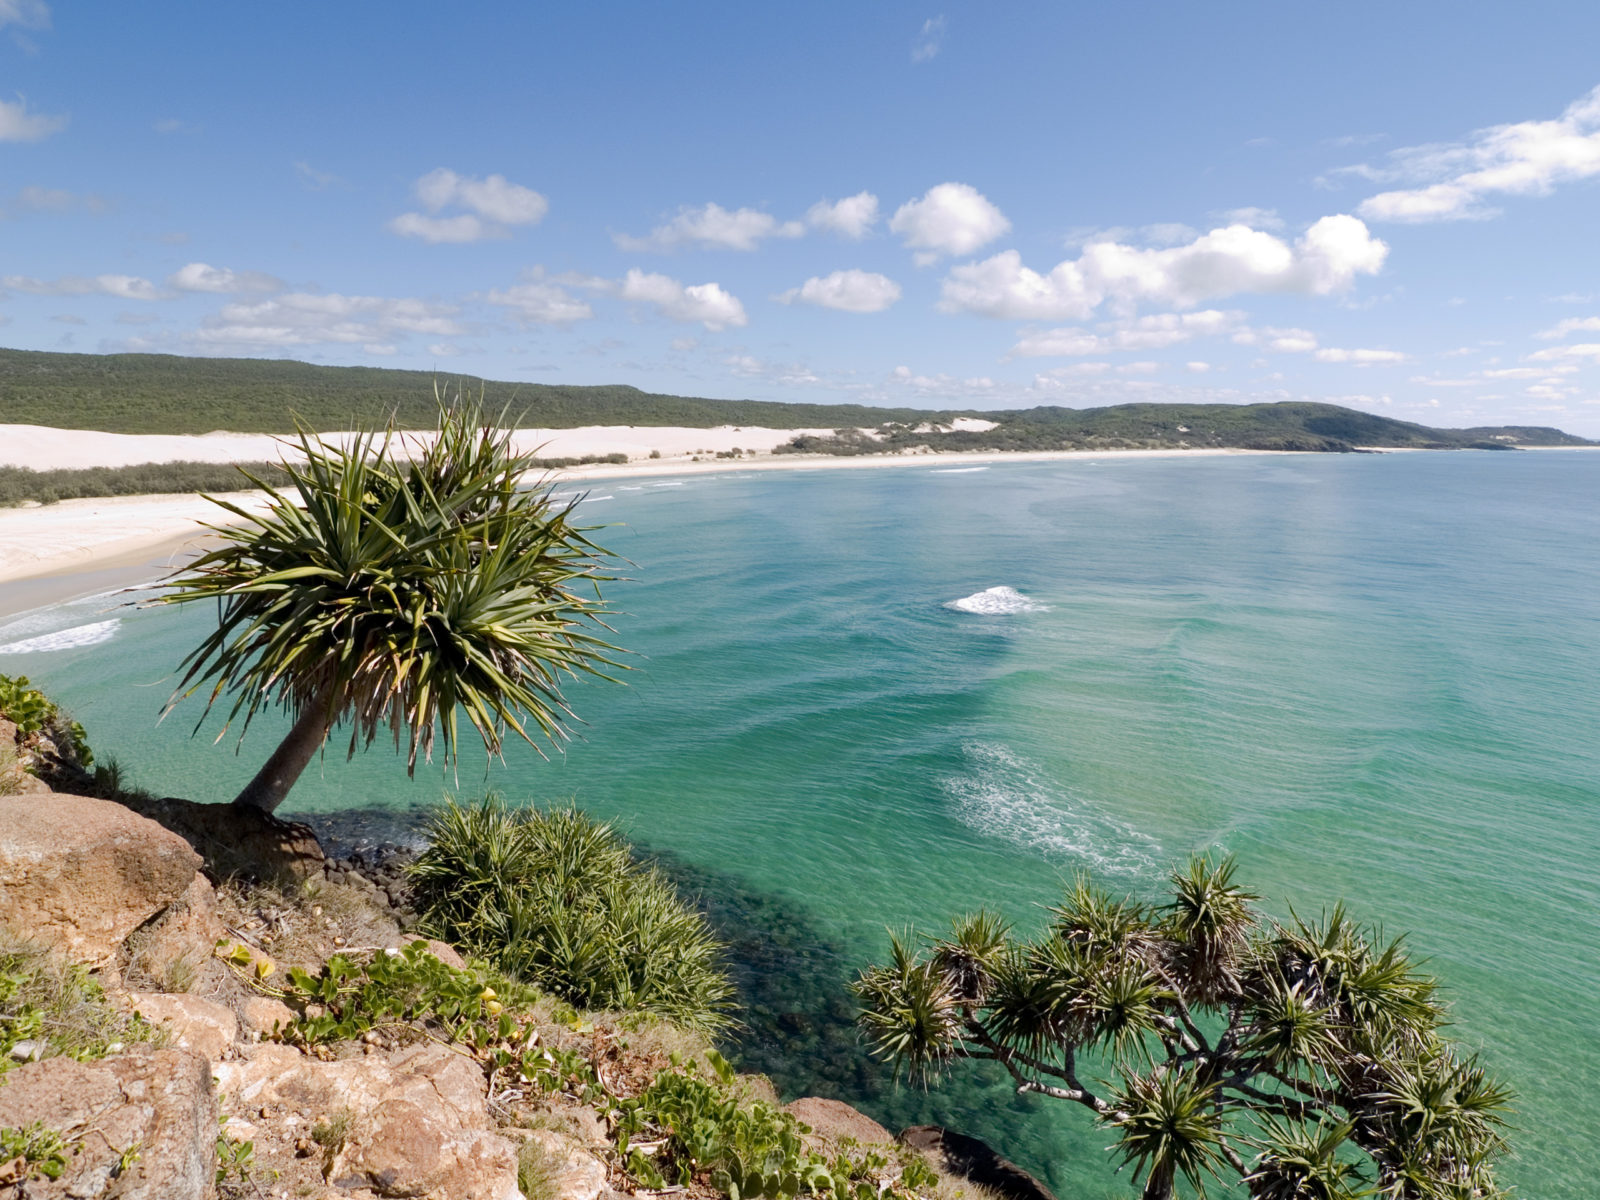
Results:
x,y
1303,1060
398,582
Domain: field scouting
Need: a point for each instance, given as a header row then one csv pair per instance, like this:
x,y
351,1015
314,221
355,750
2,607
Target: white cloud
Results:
x,y
851,217
848,291
1153,332
1360,358
492,203
1227,261
1197,368
302,319
1556,353
202,277
445,230
30,14
1527,158
951,218
707,303
1569,325
713,227
929,39
493,197
539,301
127,287
17,124
1256,218
749,367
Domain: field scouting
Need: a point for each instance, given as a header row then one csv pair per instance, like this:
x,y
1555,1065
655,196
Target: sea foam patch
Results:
x,y
65,639
996,602
1003,794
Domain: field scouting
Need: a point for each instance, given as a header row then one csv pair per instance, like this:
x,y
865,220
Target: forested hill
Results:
x,y
164,393
159,393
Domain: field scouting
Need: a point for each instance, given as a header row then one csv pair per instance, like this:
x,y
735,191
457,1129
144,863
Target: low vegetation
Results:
x,y
43,729
52,1009
20,485
1307,1059
557,899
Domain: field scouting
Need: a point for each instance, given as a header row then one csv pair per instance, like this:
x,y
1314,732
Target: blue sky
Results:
x,y
1388,206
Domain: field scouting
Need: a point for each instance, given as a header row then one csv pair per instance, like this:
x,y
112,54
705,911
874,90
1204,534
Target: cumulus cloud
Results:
x,y
304,319
848,291
1323,260
17,124
706,303
951,218
1153,332
1256,218
540,301
203,277
1528,158
748,367
492,204
1360,358
713,227
929,39
126,287
1556,353
853,217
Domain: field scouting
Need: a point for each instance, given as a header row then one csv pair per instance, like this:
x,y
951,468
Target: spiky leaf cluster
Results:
x,y
402,583
1305,1058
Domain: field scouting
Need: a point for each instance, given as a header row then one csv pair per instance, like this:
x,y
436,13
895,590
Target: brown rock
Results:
x,y
264,1015
965,1157
446,954
175,948
155,1108
199,1025
831,1120
82,874
572,1172
237,841
414,1120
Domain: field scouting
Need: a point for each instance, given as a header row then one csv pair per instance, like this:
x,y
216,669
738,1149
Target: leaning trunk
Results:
x,y
272,783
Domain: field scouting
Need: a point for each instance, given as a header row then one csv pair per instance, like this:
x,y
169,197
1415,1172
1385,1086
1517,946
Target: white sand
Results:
x,y
79,535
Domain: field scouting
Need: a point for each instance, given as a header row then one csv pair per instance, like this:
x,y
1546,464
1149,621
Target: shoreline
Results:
x,y
53,553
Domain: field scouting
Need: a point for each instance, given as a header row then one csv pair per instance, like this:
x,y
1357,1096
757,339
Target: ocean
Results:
x,y
870,700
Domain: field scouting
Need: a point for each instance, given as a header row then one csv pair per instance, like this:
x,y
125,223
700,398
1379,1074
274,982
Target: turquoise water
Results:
x,y
1371,677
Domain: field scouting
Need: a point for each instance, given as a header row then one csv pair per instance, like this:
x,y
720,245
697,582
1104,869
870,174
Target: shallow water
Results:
x,y
866,699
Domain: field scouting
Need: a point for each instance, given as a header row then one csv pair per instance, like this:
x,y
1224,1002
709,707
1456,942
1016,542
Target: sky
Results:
x,y
1388,206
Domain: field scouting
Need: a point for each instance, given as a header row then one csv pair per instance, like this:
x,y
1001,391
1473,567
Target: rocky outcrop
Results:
x,y
174,948
964,1157
197,1025
832,1120
407,1124
236,841
569,1172
82,874
145,1124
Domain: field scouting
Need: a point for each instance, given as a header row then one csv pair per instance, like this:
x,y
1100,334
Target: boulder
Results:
x,y
80,874
832,1120
207,1029
175,948
145,1123
964,1157
237,841
412,1123
571,1172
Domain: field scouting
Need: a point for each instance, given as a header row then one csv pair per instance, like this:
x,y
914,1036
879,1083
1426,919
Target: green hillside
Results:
x,y
159,393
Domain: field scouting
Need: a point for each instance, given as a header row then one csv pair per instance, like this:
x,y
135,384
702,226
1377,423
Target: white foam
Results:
x,y
996,602
956,470
65,639
1004,795
596,499
673,483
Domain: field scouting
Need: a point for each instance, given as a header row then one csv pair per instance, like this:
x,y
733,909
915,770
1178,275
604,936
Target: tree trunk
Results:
x,y
1158,1184
272,783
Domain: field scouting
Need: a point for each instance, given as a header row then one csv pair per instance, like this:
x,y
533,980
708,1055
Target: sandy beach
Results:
x,y
78,546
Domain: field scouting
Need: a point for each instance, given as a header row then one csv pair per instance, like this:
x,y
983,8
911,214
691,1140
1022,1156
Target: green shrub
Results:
x,y
685,1127
33,713
557,899
19,485
43,1152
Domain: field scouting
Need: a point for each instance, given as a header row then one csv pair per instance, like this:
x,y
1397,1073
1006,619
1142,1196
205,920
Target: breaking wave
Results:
x,y
996,601
65,639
